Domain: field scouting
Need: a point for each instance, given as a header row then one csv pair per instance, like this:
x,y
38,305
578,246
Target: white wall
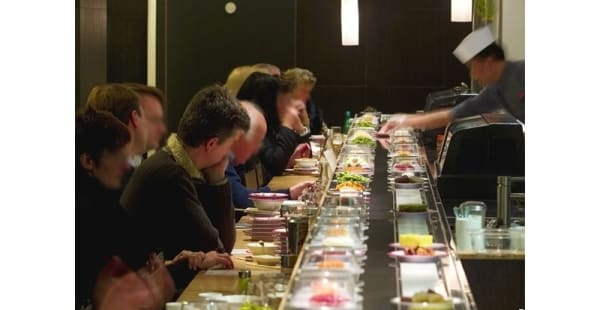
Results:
x,y
513,29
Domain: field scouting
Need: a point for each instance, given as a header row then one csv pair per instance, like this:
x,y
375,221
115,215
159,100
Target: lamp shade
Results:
x,y
461,10
350,22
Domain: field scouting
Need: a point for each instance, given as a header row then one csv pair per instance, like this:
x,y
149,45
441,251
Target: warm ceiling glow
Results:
x,y
350,22
461,10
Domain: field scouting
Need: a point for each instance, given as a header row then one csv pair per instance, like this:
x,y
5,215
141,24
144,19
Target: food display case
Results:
x,y
360,251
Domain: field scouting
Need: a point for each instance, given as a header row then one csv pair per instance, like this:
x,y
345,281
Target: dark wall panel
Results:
x,y
320,47
90,47
127,40
204,43
405,52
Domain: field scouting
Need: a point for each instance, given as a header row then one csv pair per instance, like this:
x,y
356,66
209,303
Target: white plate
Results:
x,y
435,246
417,258
267,259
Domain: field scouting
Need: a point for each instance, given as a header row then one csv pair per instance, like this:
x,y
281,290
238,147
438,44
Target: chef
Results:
x,y
503,82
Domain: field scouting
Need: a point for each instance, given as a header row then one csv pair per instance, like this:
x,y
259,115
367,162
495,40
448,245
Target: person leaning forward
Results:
x,y
181,194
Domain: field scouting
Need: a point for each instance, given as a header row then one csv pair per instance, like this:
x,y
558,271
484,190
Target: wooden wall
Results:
x,y
90,46
203,43
405,49
405,52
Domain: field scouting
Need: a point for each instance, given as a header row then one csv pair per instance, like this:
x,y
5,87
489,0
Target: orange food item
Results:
x,y
353,169
420,251
350,185
337,232
330,264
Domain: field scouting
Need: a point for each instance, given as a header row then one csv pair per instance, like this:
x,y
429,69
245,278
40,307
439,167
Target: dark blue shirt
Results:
x,y
239,192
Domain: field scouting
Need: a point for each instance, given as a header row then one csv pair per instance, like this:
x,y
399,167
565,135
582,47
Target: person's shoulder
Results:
x,y
517,65
160,166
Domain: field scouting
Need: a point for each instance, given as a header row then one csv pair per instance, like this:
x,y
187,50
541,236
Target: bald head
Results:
x,y
249,145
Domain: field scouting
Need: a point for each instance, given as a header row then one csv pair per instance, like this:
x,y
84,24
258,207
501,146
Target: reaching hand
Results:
x,y
302,151
296,190
395,122
201,260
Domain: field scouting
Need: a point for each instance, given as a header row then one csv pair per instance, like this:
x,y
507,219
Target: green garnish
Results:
x,y
363,140
363,123
413,208
252,306
347,176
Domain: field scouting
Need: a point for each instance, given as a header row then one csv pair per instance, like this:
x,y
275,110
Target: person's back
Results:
x,y
162,195
102,228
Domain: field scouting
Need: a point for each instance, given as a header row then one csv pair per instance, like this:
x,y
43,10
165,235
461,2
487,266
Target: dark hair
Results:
x,y
96,132
262,89
493,50
142,90
212,112
117,99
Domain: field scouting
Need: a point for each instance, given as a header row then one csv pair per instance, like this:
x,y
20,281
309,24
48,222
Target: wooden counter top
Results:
x,y
225,281
287,181
467,255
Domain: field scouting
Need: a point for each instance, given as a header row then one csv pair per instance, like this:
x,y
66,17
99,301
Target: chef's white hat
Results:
x,y
474,43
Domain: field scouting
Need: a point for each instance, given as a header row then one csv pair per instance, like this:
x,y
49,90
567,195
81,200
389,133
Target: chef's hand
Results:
x,y
216,173
296,190
302,151
395,122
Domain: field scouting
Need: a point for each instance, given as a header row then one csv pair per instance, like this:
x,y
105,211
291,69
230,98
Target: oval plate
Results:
x,y
399,254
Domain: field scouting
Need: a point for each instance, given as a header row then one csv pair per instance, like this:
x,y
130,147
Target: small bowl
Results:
x,y
267,248
306,162
494,241
267,259
209,296
268,201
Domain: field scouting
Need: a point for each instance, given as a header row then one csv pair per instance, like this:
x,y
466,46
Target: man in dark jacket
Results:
x,y
181,193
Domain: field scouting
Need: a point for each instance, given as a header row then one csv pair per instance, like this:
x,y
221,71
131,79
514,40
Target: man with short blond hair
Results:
x,y
124,104
152,101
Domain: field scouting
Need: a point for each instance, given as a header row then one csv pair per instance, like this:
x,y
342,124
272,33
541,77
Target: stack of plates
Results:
x,y
255,212
280,240
304,171
262,227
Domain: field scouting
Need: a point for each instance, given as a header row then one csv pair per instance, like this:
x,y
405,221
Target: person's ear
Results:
x,y
211,143
86,162
134,118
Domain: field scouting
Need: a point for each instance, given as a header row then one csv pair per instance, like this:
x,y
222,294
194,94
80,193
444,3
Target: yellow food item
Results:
x,y
429,300
413,240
